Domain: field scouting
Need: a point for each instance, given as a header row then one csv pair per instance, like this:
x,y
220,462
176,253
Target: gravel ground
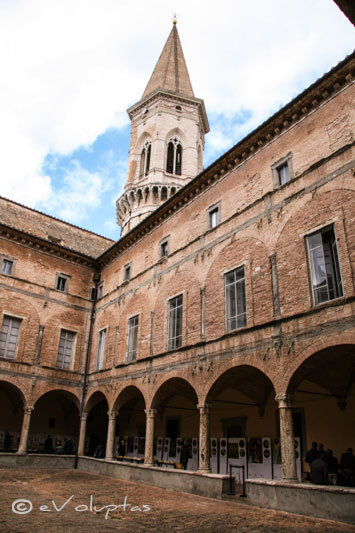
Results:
x,y
72,501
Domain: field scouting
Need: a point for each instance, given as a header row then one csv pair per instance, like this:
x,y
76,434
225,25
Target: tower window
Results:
x,y
145,159
174,157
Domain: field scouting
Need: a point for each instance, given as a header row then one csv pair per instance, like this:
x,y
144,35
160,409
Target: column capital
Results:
x,y
84,416
112,414
204,407
28,409
284,400
150,412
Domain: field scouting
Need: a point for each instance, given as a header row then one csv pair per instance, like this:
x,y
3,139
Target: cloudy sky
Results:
x,y
71,68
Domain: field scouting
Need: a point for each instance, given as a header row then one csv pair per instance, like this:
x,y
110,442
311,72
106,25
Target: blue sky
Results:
x,y
71,69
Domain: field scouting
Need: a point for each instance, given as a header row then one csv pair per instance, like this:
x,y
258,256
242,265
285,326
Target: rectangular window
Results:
x,y
7,266
283,173
132,339
100,290
101,350
236,316
66,349
164,248
127,273
282,170
9,336
62,283
324,266
213,216
175,323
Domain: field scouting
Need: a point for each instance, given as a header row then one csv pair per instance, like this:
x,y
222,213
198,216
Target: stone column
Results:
x,y
204,447
289,472
112,415
81,445
22,449
149,437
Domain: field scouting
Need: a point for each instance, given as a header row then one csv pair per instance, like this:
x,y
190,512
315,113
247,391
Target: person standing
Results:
x,y
319,471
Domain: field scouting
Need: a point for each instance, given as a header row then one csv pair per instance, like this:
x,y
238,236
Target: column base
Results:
x,y
148,464
290,480
21,452
204,471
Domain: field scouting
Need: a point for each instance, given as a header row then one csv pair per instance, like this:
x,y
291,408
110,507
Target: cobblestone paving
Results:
x,y
169,510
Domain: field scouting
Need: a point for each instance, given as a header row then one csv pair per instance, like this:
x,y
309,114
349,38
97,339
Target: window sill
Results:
x,y
125,282
329,303
162,259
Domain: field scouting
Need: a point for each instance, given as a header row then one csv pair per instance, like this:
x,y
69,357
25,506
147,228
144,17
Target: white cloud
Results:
x,y
69,70
79,192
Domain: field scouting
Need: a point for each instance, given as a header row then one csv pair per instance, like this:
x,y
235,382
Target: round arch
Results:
x,y
11,415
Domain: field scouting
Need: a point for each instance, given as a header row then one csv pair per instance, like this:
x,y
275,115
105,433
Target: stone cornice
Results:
x,y
171,95
308,101
42,245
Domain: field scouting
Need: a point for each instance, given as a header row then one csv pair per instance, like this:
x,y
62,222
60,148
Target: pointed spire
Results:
x,y
171,71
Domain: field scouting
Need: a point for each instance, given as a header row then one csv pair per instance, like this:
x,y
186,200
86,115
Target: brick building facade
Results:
x,y
224,315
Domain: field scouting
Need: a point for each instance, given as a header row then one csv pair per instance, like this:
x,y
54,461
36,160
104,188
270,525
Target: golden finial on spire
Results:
x,y
174,18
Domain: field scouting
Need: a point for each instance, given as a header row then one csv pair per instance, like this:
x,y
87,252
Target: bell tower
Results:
x,y
168,126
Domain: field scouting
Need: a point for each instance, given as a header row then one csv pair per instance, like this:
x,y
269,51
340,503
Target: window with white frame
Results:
x,y
282,170
7,267
236,316
174,157
62,282
175,323
101,350
213,216
326,283
145,158
66,349
9,336
132,339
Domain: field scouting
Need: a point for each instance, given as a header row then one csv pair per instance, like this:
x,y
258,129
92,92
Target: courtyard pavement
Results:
x,y
71,501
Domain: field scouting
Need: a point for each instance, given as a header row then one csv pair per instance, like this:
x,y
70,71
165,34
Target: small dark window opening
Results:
x,y
127,272
164,249
170,158
145,159
61,284
178,159
174,157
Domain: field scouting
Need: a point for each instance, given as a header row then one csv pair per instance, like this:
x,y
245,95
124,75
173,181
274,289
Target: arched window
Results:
x,y
174,157
145,159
